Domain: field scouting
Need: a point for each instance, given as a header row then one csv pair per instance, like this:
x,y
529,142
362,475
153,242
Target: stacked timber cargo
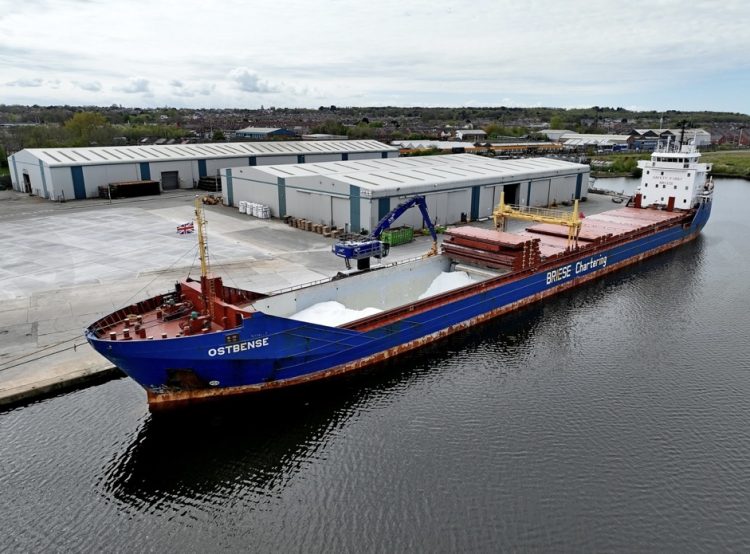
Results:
x,y
493,249
129,189
210,183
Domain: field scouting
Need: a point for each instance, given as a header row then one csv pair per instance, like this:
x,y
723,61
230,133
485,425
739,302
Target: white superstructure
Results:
x,y
673,178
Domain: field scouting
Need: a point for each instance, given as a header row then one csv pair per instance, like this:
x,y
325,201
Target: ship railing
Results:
x,y
297,287
541,212
329,279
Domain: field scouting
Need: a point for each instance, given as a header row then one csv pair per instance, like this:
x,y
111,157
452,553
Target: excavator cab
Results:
x,y
371,246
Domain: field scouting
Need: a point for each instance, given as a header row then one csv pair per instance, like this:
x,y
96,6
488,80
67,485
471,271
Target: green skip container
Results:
x,y
399,235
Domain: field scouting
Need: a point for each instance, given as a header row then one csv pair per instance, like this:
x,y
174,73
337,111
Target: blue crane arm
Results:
x,y
398,211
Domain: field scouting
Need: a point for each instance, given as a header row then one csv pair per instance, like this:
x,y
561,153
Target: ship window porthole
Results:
x,y
647,172
662,173
688,174
686,188
684,201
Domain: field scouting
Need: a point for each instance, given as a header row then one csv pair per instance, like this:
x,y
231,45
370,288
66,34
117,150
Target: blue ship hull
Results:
x,y
268,352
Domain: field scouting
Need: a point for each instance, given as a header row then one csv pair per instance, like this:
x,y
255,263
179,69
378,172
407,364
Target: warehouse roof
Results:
x,y
594,138
424,144
258,130
136,154
418,172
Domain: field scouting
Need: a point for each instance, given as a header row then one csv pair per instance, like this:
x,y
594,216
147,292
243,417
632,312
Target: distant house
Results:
x,y
471,135
647,139
263,133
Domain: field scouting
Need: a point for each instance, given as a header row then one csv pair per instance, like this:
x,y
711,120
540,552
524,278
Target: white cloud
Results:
x,y
192,90
248,81
354,53
137,85
26,83
92,86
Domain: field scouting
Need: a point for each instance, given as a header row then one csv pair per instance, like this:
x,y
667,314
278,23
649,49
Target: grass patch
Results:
x,y
734,163
620,164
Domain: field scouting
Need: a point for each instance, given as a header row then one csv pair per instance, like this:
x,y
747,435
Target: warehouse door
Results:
x,y
511,194
170,180
79,186
339,211
314,207
459,203
437,207
26,183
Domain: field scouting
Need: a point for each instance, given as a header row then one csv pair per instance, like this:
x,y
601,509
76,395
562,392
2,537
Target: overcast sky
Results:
x,y
230,53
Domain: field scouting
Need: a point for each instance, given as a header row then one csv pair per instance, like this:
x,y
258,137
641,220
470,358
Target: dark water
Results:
x,y
612,418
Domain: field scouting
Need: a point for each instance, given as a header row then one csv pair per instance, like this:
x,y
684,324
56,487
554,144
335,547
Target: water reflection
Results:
x,y
258,443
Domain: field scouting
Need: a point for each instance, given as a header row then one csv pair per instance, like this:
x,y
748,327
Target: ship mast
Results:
x,y
207,282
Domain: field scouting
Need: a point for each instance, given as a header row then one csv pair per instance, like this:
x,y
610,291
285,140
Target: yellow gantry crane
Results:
x,y
571,220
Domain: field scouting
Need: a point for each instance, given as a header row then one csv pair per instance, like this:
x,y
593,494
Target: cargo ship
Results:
x,y
205,340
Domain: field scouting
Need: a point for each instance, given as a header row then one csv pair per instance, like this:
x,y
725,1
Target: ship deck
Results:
x,y
612,224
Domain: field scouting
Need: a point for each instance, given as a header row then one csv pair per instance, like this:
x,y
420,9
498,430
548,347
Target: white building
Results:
x,y
608,142
355,195
426,144
555,134
472,135
77,173
262,133
696,137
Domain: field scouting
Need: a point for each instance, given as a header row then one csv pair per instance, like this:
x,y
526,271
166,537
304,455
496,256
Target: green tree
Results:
x,y
556,122
329,127
219,135
41,136
86,128
361,131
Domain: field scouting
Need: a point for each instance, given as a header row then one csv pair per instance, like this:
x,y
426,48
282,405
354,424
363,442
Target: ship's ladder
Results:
x,y
571,220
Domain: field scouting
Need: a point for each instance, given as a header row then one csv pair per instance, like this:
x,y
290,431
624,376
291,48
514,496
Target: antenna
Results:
x,y
682,132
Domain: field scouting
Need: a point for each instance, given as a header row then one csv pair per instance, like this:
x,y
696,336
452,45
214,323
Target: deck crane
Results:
x,y
372,247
